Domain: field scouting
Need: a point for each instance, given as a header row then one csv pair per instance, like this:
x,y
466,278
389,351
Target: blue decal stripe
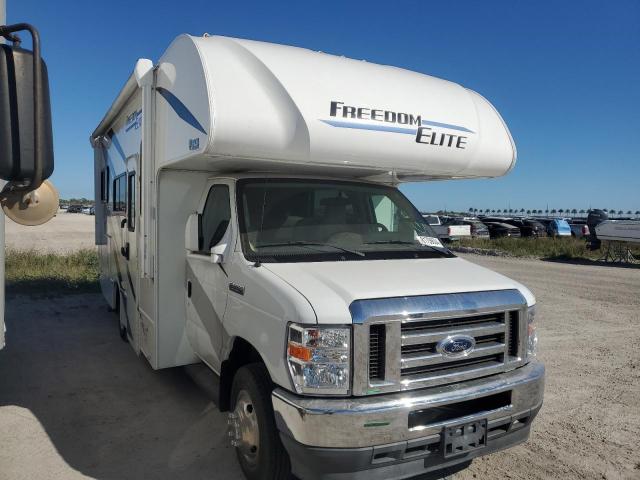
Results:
x,y
116,144
180,108
446,125
360,126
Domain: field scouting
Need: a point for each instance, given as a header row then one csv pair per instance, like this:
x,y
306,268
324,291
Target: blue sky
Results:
x,y
564,75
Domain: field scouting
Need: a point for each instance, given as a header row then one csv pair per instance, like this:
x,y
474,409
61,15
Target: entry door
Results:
x,y
129,253
207,282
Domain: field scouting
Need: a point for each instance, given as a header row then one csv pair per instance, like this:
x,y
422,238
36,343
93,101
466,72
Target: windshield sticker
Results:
x,y
429,241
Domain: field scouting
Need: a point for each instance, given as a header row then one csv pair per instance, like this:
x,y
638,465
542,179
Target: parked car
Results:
x,y
501,229
579,228
478,229
528,227
539,230
556,227
447,228
74,209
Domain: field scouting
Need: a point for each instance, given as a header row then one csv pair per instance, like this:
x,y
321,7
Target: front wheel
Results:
x,y
252,427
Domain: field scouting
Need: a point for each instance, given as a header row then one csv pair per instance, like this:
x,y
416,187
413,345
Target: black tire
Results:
x,y
272,460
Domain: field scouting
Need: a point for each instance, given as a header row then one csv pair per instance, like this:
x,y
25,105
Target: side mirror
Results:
x,y
191,233
26,140
217,253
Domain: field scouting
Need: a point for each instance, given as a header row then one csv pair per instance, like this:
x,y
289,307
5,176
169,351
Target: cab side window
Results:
x,y
215,217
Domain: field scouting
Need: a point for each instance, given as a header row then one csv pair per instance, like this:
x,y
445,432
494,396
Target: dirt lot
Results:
x,y
63,233
76,402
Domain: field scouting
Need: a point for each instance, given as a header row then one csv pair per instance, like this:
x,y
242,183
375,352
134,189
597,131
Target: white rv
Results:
x,y
248,219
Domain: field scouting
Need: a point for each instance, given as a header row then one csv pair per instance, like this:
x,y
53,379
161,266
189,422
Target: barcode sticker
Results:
x,y
429,241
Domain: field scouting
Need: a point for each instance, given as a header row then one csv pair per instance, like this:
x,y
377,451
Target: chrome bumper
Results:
x,y
383,419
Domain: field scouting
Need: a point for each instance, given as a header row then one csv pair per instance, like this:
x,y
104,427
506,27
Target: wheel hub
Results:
x,y
243,428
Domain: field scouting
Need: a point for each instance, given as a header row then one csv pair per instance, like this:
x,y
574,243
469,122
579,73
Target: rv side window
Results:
x,y
131,201
103,185
106,184
119,192
215,217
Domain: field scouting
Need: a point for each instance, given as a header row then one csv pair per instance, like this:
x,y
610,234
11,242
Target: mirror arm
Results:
x,y
7,32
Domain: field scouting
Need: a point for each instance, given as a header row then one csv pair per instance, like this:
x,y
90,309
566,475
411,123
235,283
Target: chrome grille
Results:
x,y
421,362
400,350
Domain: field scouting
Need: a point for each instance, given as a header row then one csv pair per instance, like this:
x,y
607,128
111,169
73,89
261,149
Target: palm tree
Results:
x,y
620,212
470,209
637,213
553,211
529,212
581,211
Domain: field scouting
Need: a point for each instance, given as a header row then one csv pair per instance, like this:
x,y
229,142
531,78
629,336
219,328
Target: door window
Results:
x,y
215,217
131,201
119,192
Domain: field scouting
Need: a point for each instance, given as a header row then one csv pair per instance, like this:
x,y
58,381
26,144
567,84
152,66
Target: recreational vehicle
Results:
x,y
248,220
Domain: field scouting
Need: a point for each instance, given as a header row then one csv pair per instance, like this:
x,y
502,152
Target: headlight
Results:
x,y
319,359
532,335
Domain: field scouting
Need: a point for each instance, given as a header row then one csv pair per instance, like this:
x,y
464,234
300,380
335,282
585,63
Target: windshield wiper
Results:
x,y
404,242
311,244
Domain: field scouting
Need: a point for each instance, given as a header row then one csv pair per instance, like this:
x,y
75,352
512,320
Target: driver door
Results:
x,y
207,279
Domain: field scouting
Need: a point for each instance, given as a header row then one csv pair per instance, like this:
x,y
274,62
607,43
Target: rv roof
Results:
x,y
241,105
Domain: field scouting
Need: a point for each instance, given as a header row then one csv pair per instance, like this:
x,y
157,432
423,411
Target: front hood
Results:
x,y
330,287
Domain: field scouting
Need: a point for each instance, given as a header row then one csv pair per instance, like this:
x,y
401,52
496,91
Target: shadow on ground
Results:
x,y
586,261
51,287
104,410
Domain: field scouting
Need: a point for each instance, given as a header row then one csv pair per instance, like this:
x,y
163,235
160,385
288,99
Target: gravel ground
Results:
x,y
75,401
589,328
65,232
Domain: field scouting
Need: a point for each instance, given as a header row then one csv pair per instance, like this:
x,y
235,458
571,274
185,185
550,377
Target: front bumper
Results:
x,y
334,437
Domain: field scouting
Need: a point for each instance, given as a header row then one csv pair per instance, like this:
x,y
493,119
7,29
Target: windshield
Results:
x,y
295,220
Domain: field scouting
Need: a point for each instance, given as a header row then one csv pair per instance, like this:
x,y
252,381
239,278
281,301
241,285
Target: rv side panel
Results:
x,y
178,194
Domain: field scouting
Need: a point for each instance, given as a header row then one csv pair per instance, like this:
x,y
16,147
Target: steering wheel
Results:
x,y
381,227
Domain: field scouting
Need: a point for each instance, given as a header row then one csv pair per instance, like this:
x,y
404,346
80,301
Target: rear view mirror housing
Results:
x,y
26,139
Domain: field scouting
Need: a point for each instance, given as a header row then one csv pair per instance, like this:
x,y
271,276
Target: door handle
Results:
x,y
125,250
188,288
123,222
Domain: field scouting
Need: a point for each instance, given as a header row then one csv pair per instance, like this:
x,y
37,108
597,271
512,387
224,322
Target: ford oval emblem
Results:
x,y
456,346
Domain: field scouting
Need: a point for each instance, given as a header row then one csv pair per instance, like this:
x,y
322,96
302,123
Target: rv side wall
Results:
x,y
178,194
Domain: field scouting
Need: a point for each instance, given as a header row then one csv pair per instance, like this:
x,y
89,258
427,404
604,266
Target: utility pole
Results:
x,y
3,21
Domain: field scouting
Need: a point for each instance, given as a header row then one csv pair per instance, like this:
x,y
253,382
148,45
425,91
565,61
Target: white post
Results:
x,y
3,17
